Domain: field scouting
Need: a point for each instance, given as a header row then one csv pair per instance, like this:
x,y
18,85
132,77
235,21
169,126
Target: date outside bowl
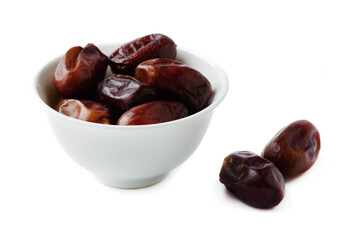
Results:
x,y
131,156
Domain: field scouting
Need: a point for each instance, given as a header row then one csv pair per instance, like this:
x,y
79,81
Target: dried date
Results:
x,y
122,92
126,58
253,179
78,72
294,149
153,112
85,110
174,80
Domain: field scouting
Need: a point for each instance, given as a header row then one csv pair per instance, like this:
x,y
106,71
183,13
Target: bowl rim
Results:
x,y
220,96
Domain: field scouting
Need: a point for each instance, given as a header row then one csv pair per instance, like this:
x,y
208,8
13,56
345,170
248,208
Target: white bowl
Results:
x,y
131,156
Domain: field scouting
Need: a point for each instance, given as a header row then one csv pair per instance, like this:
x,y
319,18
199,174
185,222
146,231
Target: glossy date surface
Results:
x,y
78,72
174,80
294,149
253,179
122,92
125,59
153,112
85,110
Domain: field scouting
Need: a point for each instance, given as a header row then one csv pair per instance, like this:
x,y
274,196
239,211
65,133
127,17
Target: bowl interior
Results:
x,y
216,76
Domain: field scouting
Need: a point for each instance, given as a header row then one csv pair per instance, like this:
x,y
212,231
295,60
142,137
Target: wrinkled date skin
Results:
x,y
175,81
294,149
126,58
122,92
153,112
79,71
85,110
253,179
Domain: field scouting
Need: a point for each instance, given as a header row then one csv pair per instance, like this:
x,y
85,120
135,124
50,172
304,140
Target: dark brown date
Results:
x,y
122,92
294,149
153,112
125,59
174,80
85,110
253,179
79,71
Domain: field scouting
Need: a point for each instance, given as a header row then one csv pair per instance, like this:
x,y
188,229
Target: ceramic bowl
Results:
x,y
131,156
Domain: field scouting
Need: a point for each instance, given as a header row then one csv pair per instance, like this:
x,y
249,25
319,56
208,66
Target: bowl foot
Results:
x,y
130,183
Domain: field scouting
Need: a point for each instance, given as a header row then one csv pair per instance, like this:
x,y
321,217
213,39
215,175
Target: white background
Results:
x,y
286,60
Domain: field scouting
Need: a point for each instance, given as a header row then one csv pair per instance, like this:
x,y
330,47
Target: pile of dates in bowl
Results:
x,y
130,113
145,85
